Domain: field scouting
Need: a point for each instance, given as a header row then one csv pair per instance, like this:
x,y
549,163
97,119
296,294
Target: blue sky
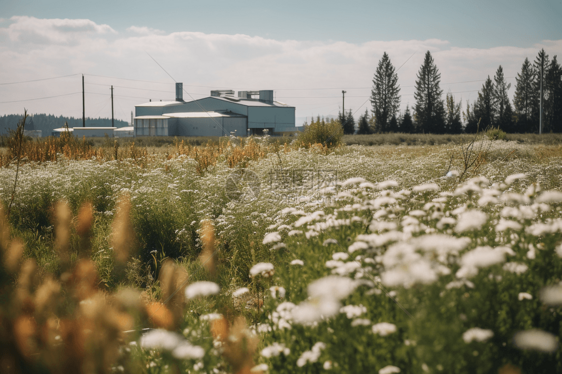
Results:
x,y
308,51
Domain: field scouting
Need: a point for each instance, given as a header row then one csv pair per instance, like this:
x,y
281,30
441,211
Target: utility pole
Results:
x,y
83,104
343,102
540,111
112,124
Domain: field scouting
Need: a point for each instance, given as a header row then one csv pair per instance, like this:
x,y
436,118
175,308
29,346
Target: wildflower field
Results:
x,y
351,259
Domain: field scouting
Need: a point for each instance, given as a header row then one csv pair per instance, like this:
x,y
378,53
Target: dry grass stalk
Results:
x,y
160,316
239,347
13,255
173,280
207,256
4,230
122,237
63,218
84,223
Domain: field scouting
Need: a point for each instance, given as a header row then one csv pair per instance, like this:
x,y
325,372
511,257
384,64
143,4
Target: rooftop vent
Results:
x,y
219,93
179,91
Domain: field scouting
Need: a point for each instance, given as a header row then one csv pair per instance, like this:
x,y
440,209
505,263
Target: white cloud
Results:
x,y
32,48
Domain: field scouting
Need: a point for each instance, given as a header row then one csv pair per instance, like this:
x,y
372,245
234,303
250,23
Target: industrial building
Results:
x,y
221,114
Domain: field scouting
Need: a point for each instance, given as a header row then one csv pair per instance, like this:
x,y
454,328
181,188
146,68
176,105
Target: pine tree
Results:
x,y
349,127
453,121
407,125
429,111
364,127
504,113
385,97
541,67
393,124
525,98
553,97
470,119
484,108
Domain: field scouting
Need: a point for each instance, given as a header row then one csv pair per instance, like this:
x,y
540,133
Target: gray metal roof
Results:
x,y
201,115
227,99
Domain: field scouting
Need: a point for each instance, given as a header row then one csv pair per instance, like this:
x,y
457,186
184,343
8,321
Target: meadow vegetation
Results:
x,y
352,259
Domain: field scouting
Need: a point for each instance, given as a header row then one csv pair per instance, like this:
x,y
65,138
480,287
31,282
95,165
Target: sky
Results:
x,y
307,51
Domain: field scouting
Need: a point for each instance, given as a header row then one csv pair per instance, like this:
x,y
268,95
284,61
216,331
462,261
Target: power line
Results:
x,y
37,80
39,98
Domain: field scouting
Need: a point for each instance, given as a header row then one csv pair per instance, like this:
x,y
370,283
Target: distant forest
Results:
x,y
435,114
48,122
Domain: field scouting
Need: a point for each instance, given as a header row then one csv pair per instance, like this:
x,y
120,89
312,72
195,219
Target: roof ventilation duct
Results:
x,y
179,91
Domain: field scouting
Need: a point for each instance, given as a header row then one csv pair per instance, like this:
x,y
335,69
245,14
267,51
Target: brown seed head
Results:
x,y
84,279
62,231
122,233
159,315
13,255
85,219
207,256
4,230
24,332
46,296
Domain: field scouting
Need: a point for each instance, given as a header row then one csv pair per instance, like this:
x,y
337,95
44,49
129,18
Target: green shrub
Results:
x,y
496,134
329,134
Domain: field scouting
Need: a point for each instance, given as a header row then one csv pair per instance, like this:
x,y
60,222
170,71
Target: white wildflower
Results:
x,y
277,292
160,339
384,328
186,351
259,368
330,264
297,262
536,340
389,370
426,187
355,180
505,224
515,267
210,317
550,197
311,356
387,184
471,220
275,350
524,296
327,365
262,268
278,246
332,286
340,256
352,311
329,241
477,334
552,295
479,257
241,291
513,177
360,322
357,246
271,237
202,288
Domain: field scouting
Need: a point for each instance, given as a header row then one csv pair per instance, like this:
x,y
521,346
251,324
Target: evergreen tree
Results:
x,y
385,97
504,113
470,119
429,111
364,127
541,67
349,127
553,97
525,98
484,108
407,125
453,121
393,124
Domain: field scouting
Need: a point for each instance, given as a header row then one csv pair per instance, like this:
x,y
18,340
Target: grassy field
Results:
x,y
357,259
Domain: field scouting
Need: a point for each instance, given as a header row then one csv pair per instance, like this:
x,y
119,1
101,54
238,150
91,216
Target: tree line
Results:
x,y
434,114
48,122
